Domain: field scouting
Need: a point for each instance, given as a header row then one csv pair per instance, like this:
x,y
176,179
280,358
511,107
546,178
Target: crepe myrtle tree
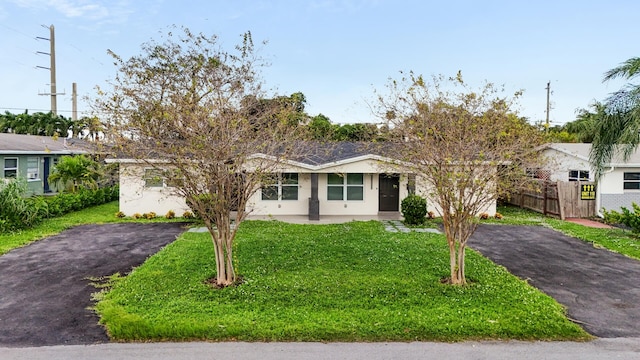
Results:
x,y
466,145
185,108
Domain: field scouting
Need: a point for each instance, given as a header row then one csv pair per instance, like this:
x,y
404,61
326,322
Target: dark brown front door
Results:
x,y
389,192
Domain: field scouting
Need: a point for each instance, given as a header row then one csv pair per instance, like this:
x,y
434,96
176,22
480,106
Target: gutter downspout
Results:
x,y
598,193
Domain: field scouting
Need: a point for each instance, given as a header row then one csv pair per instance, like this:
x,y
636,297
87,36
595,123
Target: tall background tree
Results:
x,y
197,114
619,123
467,145
39,123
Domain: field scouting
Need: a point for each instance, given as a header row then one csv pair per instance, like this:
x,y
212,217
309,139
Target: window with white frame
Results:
x,y
33,168
631,181
281,186
347,186
578,175
10,168
153,178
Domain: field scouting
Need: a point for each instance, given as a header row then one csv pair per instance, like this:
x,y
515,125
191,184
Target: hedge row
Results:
x,y
19,212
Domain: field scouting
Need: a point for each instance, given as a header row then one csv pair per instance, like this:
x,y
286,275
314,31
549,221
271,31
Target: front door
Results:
x,y
45,174
389,192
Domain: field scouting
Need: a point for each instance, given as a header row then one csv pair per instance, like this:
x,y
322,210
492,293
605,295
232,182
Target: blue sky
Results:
x,y
336,52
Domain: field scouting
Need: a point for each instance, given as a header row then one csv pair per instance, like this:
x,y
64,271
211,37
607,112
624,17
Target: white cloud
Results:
x,y
336,6
87,9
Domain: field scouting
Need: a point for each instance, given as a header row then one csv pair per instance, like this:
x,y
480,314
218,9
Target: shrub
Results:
x,y
484,216
150,215
187,215
627,217
137,216
498,216
431,215
170,214
18,211
611,217
120,214
414,209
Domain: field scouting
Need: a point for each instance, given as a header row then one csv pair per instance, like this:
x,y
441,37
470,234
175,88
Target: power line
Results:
x,y
17,31
39,110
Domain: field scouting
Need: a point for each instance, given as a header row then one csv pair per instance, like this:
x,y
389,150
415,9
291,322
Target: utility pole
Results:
x,y
74,102
52,69
548,106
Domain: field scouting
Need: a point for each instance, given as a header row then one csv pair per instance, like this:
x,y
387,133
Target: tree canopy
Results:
x,y
198,114
48,124
467,145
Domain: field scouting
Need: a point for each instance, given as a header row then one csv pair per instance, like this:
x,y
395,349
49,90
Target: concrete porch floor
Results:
x,y
328,219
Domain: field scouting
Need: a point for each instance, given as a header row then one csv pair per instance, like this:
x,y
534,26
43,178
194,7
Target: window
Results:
x,y
578,175
335,187
33,168
153,178
350,187
631,181
283,186
289,183
10,167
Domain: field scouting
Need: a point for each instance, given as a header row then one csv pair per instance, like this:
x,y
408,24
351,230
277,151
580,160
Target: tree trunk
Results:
x,y
225,274
462,280
457,234
453,263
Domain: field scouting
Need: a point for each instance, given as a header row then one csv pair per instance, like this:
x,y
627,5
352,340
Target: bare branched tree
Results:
x,y
467,146
195,113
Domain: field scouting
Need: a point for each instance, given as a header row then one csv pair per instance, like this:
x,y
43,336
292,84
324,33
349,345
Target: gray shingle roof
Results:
x,y
330,152
32,144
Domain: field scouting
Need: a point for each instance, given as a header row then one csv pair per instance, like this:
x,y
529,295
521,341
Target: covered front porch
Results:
x,y
329,219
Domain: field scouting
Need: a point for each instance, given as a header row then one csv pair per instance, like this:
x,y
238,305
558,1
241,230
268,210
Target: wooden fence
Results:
x,y
562,199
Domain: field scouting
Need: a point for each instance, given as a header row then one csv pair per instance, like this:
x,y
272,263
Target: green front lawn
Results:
x,y
346,282
618,240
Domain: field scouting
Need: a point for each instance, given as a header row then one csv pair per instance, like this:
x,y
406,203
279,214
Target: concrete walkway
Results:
x,y
328,219
399,226
588,223
494,350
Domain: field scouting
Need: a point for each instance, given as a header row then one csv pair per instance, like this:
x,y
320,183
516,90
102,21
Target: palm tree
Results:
x,y
618,131
75,172
585,125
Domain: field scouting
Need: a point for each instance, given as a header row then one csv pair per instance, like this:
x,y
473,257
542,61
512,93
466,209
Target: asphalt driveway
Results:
x,y
44,290
600,289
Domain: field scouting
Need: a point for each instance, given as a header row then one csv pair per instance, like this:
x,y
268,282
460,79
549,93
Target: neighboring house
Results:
x,y
618,187
348,179
32,158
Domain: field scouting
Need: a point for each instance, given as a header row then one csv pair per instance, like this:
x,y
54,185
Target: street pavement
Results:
x,y
611,348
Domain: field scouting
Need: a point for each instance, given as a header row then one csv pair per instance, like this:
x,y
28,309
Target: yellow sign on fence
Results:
x,y
587,192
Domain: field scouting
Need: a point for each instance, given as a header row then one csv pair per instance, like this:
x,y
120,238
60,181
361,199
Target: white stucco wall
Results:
x,y
612,182
559,164
257,206
136,198
422,189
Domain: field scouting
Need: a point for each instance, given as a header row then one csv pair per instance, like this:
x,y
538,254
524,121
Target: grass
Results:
x,y
346,282
100,214
622,241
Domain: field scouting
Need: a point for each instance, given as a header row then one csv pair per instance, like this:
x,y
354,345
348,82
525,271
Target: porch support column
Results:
x,y
314,203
